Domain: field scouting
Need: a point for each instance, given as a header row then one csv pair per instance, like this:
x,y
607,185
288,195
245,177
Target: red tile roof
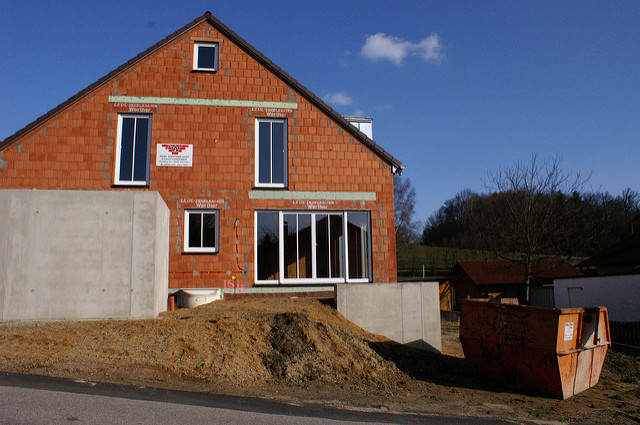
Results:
x,y
500,272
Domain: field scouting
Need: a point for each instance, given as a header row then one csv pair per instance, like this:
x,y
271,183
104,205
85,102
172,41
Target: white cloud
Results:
x,y
430,48
340,98
395,49
382,46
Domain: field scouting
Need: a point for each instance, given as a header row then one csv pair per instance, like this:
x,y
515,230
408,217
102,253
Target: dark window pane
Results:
x,y
195,229
140,155
322,246
264,152
305,261
268,246
209,230
290,233
126,149
278,164
336,246
358,237
207,57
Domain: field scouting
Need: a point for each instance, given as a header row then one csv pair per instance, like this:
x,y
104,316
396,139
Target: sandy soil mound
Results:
x,y
298,350
240,342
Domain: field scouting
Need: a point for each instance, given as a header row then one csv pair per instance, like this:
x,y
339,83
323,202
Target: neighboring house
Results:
x,y
266,184
612,280
620,294
621,258
504,278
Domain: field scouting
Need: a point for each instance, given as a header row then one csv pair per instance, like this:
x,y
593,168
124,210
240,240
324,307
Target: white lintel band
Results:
x,y
202,102
323,196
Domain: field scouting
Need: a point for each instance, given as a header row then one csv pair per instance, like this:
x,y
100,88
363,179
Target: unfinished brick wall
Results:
x,y
76,148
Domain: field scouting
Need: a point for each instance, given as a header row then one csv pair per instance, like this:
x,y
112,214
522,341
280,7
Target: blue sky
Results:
x,y
455,88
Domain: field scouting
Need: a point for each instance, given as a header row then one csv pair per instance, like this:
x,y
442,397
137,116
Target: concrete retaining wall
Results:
x,y
82,254
620,294
407,312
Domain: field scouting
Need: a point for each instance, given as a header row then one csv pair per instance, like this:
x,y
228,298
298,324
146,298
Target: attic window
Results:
x,y
205,57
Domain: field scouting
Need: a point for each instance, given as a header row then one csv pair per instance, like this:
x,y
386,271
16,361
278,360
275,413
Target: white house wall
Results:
x,y
620,294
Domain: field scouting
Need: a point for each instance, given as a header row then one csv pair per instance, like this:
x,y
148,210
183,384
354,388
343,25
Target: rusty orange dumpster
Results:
x,y
557,352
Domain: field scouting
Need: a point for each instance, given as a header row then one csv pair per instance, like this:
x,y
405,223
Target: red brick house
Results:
x,y
504,278
266,184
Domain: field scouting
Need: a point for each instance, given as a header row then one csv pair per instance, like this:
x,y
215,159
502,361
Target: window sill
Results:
x,y
204,71
269,187
318,282
131,185
206,252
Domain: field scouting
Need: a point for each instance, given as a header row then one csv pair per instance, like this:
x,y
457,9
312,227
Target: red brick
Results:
x,y
80,152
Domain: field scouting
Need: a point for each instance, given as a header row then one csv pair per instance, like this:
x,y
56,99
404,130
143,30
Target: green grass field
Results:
x,y
436,261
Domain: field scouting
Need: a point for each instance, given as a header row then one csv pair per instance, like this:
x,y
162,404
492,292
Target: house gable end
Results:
x,y
215,116
396,165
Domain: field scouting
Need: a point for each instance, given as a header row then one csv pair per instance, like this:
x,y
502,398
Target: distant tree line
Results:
x,y
530,210
575,224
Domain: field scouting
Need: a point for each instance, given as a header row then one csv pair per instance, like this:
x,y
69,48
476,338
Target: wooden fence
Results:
x,y
627,333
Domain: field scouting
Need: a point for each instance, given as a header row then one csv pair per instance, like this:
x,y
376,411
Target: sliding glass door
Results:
x,y
313,247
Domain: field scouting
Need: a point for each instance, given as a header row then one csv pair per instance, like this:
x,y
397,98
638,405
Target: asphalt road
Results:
x,y
26,399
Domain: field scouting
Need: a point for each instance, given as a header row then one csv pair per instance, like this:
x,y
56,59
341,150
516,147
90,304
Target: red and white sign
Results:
x,y
174,155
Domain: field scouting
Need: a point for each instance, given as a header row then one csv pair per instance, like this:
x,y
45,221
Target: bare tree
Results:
x,y
534,215
405,201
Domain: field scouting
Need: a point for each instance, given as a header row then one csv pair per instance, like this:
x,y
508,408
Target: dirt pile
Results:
x,y
239,342
304,350
298,350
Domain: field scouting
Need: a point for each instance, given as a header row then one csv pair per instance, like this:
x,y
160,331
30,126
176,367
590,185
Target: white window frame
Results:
x,y
285,153
208,250
314,279
196,52
117,180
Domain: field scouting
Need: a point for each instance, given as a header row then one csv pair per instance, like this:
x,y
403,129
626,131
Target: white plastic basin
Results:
x,y
196,297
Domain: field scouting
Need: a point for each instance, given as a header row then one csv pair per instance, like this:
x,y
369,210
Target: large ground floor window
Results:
x,y
313,247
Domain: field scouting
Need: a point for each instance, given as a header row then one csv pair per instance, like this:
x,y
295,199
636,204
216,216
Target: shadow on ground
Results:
x,y
435,368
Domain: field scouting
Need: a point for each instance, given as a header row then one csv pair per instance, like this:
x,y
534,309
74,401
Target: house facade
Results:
x,y
266,184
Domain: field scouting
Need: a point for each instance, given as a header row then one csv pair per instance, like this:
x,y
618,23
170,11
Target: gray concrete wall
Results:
x,y
620,294
407,312
82,254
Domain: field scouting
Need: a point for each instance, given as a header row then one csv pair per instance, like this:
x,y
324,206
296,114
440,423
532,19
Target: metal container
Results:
x,y
558,352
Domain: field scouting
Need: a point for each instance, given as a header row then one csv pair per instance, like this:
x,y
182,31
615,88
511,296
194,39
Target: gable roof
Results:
x,y
505,272
252,51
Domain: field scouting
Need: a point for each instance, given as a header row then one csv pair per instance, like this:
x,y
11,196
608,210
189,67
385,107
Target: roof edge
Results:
x,y
395,163
94,86
303,90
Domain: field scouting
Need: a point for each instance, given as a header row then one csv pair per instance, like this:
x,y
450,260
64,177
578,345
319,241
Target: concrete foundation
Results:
x,y
82,254
407,312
